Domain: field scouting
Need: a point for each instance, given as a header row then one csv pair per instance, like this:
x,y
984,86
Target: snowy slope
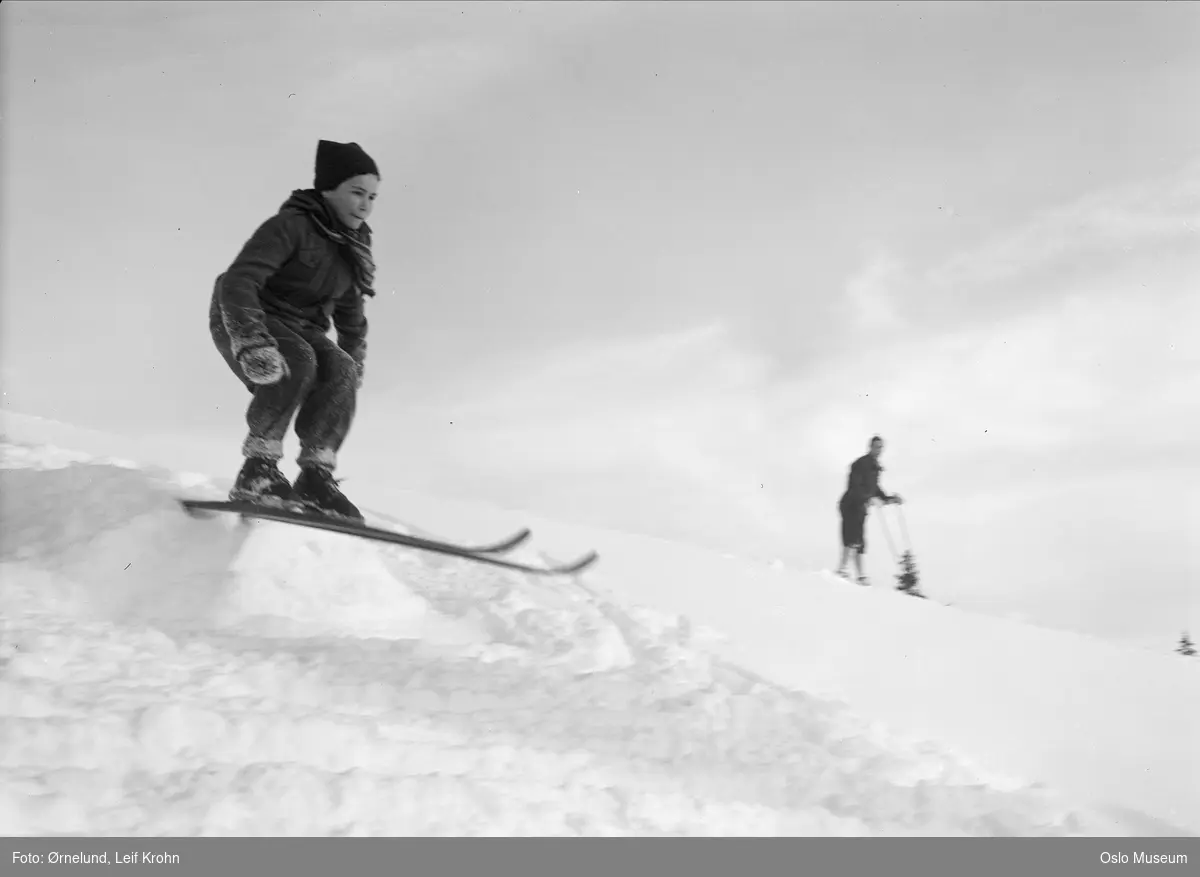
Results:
x,y
1103,722
163,675
1111,725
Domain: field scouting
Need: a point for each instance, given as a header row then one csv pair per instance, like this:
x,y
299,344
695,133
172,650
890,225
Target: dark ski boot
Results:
x,y
261,483
317,490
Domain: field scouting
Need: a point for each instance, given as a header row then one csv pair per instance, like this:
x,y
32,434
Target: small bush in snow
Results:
x,y
908,579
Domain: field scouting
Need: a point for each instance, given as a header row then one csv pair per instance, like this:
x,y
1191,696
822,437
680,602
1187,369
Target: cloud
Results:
x,y
375,88
870,294
697,432
597,373
684,405
464,50
1095,374
1163,211
624,398
1081,377
1093,357
1104,366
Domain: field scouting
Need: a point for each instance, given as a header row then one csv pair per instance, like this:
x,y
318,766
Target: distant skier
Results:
x,y
862,487
270,319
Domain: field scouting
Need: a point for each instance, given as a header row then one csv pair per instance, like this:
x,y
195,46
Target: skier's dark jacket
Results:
x,y
291,271
863,483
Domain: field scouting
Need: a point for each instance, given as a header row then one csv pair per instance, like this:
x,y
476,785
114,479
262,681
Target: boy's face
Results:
x,y
354,199
876,448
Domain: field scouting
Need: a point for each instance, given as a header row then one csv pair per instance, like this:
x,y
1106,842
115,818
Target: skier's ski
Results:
x,y
481,554
235,506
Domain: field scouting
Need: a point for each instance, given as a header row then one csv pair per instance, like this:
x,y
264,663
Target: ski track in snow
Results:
x,y
162,675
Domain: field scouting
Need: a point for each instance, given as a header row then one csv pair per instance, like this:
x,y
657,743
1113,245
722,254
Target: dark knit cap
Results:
x,y
338,162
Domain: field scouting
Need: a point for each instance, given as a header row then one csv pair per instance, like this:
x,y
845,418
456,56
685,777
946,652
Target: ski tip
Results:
x,y
580,565
518,538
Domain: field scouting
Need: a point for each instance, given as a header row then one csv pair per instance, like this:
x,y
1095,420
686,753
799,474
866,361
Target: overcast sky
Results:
x,y
665,267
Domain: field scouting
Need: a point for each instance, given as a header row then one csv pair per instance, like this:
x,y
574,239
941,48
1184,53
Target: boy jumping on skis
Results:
x,y
270,317
862,487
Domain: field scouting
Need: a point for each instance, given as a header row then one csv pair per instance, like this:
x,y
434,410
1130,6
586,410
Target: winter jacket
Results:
x,y
290,270
863,483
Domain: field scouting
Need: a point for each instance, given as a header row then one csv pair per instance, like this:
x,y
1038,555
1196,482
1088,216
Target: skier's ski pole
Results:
x,y
904,530
888,535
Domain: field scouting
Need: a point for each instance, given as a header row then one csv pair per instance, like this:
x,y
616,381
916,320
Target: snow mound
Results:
x,y
164,675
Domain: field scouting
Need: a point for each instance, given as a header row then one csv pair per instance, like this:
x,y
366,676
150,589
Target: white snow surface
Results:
x,y
167,675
